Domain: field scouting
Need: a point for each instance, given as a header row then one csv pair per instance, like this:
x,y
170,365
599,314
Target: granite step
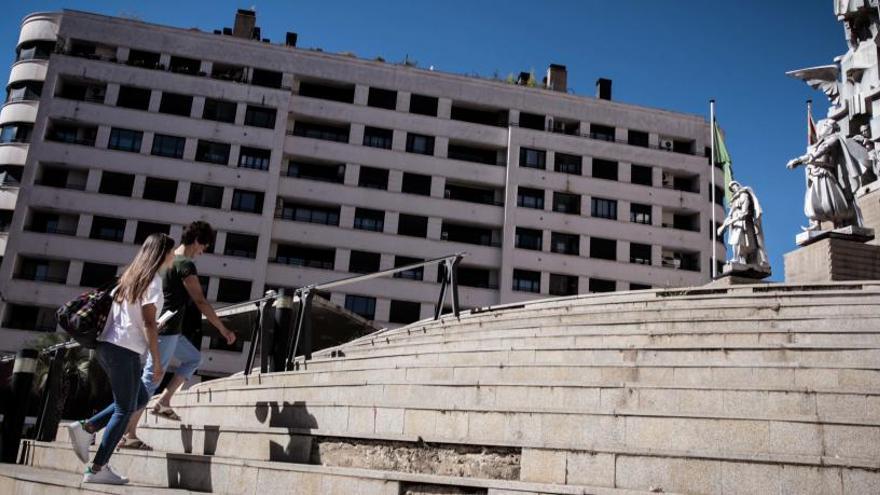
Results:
x,y
18,479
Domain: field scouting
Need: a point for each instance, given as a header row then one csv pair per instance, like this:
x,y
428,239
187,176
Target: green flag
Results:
x,y
722,157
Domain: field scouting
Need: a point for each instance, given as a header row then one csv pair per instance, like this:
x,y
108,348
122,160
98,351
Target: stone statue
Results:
x,y
835,166
746,233
863,138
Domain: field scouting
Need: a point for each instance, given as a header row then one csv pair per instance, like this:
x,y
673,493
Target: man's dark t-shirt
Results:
x,y
187,319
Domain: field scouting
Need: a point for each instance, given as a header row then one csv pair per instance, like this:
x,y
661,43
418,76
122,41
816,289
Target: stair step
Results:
x,y
18,479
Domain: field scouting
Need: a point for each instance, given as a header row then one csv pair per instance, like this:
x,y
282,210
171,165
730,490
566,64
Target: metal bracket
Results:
x,y
301,337
450,280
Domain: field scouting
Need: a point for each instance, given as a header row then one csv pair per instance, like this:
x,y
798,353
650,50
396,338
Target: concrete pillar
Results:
x,y
189,149
346,216
198,107
74,272
111,94
361,94
234,152
352,172
386,261
545,283
340,262
155,100
220,242
129,232
395,180
624,172
356,134
403,98
122,53
438,187
85,225
444,108
138,189
383,309
93,180
398,142
435,226
226,201
102,137
182,192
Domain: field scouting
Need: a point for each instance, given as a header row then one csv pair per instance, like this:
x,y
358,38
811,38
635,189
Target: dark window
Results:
x,y
35,50
418,143
116,184
603,132
683,146
474,277
529,239
565,243
43,270
414,274
325,215
144,229
603,208
266,78
687,183
142,58
183,65
61,177
366,219
373,178
412,225
136,98
363,262
532,158
70,133
344,94
24,317
97,274
467,234
719,196
604,169
637,138
563,285
16,133
81,90
603,249
378,138
160,189
405,312
640,253
472,154
5,220
641,174
567,203
526,281
600,285
219,110
567,164
254,158
176,104
125,140
635,286
470,194
242,245
479,115
261,117
317,171
205,195
423,105
233,291
24,91
52,223
327,132
530,198
80,48
640,213
361,305
247,201
416,184
382,98
228,72
211,152
11,173
686,221
107,229
310,257
168,146
531,121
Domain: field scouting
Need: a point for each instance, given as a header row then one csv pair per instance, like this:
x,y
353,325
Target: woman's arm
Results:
x,y
151,332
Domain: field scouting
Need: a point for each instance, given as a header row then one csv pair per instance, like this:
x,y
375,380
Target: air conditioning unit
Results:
x,y
666,144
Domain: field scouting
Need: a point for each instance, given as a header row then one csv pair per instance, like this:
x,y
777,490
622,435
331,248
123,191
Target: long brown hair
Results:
x,y
137,276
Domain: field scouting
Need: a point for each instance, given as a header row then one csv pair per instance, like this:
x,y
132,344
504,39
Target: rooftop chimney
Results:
x,y
245,22
291,39
557,78
603,88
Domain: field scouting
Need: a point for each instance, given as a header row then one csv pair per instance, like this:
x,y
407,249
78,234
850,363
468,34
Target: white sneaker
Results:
x,y
105,476
123,478
80,439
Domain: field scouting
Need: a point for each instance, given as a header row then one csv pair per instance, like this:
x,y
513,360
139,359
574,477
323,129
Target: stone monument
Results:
x,y
745,235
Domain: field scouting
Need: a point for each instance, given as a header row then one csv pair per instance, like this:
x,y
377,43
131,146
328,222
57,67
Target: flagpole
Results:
x,y
712,189
809,138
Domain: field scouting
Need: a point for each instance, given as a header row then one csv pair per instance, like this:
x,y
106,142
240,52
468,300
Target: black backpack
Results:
x,y
84,318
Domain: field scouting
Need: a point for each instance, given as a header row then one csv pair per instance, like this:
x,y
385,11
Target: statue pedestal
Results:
x,y
833,257
851,233
735,273
868,199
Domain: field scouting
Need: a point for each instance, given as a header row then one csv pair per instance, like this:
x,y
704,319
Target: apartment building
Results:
x,y
316,166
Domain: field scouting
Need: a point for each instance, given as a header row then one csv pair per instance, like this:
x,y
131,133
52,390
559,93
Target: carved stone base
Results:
x,y
744,270
851,233
833,258
868,199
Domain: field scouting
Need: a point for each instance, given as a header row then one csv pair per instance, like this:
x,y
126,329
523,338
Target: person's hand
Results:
x,y
791,163
229,336
720,231
157,374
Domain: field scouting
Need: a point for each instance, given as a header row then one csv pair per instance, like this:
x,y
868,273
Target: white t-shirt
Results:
x,y
125,324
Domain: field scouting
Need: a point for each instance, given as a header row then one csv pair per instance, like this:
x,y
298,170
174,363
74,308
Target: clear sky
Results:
x,y
671,54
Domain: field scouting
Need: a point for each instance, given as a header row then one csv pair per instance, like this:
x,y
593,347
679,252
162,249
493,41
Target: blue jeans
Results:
x,y
123,368
173,346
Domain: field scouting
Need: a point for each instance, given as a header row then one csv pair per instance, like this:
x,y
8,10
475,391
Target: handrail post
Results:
x,y
15,410
267,332
453,282
282,316
302,341
438,309
256,340
47,422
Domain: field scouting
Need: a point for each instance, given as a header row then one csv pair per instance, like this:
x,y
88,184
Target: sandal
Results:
x,y
165,412
134,444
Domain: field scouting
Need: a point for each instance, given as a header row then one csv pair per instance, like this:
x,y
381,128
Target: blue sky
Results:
x,y
670,54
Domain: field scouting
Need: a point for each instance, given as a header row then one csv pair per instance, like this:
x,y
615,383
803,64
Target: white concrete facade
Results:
x,y
679,255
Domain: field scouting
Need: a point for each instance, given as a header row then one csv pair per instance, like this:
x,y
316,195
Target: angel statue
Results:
x,y
746,234
835,167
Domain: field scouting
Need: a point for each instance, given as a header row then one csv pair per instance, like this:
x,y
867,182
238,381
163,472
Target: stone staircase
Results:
x,y
740,390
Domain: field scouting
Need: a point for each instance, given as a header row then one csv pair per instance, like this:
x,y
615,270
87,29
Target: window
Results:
x,y
479,115
469,276
310,257
205,195
375,137
405,312
241,245
423,105
183,65
24,91
640,213
635,286
414,274
168,146
266,78
254,158
529,239
363,262
116,184
412,225
473,154
637,138
565,243
107,229
603,132
136,98
233,291
81,90
640,253
52,223
382,98
325,215
530,198
603,249
642,174
160,189
12,173
719,196
176,104
144,229
416,184
211,152
604,169
467,234
686,221
72,133
97,274
604,208
260,117
125,140
219,110
601,285
316,171
526,281
43,270
470,194
26,317
16,133
366,219
683,146
141,58
327,91
418,143
531,121
361,305
373,178
567,203
35,50
247,201
228,72
563,285
567,164
532,158
327,132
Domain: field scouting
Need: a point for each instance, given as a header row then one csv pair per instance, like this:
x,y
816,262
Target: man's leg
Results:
x,y
190,358
167,344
